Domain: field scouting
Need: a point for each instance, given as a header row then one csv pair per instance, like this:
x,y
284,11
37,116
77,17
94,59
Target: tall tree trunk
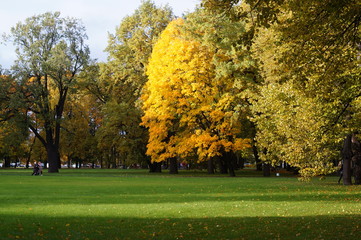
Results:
x,y
30,151
222,165
155,167
256,157
113,157
69,161
232,173
356,159
78,162
51,146
357,173
173,165
346,157
28,161
240,161
210,166
266,170
101,162
230,159
45,164
6,162
53,158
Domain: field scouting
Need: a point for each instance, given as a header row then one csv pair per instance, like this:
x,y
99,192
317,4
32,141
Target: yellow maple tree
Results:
x,y
188,111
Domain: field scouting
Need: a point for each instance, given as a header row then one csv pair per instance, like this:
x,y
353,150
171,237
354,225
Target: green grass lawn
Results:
x,y
133,204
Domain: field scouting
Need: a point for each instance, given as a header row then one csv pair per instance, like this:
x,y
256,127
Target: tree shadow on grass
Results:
x,y
74,228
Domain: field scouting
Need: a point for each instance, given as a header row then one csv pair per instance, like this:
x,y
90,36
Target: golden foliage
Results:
x,y
187,110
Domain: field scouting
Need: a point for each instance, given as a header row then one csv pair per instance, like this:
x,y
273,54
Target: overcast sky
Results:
x,y
98,16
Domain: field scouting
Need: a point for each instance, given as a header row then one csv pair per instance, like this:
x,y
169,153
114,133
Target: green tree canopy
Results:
x,y
118,83
310,100
51,51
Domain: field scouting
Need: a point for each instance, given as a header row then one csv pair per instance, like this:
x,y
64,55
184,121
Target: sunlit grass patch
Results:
x,y
111,204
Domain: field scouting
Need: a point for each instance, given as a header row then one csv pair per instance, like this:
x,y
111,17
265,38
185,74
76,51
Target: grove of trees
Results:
x,y
272,81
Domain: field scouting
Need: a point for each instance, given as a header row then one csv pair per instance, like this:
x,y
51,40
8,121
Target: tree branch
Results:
x,y
35,131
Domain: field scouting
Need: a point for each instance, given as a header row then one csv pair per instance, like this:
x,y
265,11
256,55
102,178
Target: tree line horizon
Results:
x,y
272,81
